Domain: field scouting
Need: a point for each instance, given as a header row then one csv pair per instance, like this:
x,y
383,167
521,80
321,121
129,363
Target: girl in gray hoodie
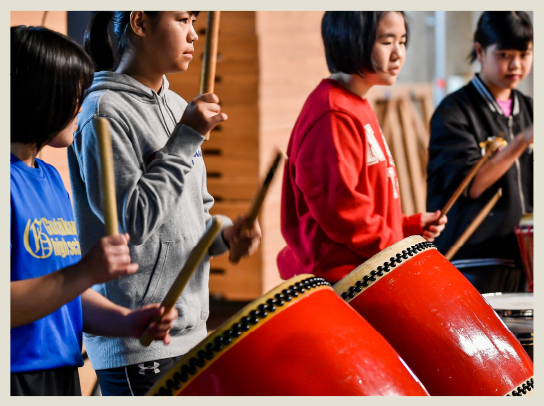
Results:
x,y
160,177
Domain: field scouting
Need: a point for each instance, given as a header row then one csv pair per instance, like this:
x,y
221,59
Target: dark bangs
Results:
x,y
517,32
49,76
349,37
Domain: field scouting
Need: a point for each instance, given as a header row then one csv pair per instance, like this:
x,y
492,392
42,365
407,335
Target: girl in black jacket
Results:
x,y
488,106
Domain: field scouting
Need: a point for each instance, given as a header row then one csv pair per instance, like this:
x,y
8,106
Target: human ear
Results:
x,y
479,51
137,23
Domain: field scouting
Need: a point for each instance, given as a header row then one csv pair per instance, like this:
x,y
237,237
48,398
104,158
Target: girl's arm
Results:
x,y
330,165
230,237
219,245
144,198
453,150
497,166
105,318
32,299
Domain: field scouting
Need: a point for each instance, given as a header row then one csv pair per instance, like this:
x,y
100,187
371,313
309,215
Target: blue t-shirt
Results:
x,y
43,240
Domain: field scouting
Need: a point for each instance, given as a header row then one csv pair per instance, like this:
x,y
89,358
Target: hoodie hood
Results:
x,y
106,80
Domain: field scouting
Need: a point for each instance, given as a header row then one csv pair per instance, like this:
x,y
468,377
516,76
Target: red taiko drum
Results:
x,y
524,234
447,333
298,339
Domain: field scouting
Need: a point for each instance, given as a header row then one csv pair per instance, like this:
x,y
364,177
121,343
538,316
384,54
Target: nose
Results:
x,y
398,52
515,62
193,36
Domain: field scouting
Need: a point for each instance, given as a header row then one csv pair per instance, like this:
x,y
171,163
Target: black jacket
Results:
x,y
459,124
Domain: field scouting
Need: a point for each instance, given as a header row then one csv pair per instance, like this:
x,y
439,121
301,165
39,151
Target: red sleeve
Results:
x,y
411,225
330,164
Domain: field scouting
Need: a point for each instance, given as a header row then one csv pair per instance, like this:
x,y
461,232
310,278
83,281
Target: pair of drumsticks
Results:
x,y
491,147
198,252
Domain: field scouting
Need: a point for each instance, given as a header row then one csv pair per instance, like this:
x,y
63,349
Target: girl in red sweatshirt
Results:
x,y
340,196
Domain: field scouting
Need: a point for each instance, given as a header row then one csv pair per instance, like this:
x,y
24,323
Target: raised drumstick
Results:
x,y
109,202
492,146
210,55
185,274
258,200
473,226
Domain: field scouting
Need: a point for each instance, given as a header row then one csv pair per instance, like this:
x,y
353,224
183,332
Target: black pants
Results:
x,y
134,380
50,382
491,279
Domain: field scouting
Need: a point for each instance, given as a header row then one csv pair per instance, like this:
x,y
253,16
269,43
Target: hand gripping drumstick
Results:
x,y
109,202
185,274
258,200
210,55
492,146
473,226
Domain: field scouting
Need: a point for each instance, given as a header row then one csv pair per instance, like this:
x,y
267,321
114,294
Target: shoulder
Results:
x,y
331,99
455,104
525,101
175,100
51,172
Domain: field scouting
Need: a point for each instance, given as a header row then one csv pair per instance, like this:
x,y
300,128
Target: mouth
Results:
x,y
188,54
513,77
394,71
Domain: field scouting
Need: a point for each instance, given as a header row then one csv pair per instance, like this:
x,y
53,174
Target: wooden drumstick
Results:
x,y
196,255
473,226
258,200
109,202
491,148
210,55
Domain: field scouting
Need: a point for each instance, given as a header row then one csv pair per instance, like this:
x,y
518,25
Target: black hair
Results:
x,y
349,36
97,40
49,75
507,29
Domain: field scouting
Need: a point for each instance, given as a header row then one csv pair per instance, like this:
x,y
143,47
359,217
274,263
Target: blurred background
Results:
x,y
268,63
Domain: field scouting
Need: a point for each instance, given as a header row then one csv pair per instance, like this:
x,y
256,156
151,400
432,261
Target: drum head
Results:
x,y
511,304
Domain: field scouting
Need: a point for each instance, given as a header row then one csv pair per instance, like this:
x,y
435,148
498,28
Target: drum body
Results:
x,y
524,234
438,322
516,311
298,339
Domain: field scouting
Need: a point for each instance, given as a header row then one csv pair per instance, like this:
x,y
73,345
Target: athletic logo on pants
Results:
x,y
154,368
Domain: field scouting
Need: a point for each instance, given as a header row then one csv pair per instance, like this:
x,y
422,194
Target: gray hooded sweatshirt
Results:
x,y
162,202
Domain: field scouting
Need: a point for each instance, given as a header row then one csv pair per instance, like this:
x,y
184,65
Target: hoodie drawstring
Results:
x,y
163,120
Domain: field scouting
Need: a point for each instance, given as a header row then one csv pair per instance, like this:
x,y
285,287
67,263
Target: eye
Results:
x,y
184,20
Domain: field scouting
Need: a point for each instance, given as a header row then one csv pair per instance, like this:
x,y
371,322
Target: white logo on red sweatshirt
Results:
x,y
375,154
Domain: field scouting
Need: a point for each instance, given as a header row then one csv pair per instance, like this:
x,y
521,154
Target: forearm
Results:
x,y
103,317
32,299
144,197
497,166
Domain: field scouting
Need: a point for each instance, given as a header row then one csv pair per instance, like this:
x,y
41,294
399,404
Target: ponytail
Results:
x,y
97,41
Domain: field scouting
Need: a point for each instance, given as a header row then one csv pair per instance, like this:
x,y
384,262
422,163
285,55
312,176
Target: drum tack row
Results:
x,y
406,322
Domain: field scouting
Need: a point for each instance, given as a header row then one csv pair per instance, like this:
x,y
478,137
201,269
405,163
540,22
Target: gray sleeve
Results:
x,y
143,199
219,245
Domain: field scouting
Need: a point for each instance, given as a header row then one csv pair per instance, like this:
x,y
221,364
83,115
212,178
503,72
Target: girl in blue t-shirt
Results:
x,y
51,299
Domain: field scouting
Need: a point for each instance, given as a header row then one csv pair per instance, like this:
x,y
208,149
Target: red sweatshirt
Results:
x,y
340,195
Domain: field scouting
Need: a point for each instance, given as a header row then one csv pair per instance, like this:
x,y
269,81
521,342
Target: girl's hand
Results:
x,y
138,321
430,231
108,259
242,240
527,135
203,113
